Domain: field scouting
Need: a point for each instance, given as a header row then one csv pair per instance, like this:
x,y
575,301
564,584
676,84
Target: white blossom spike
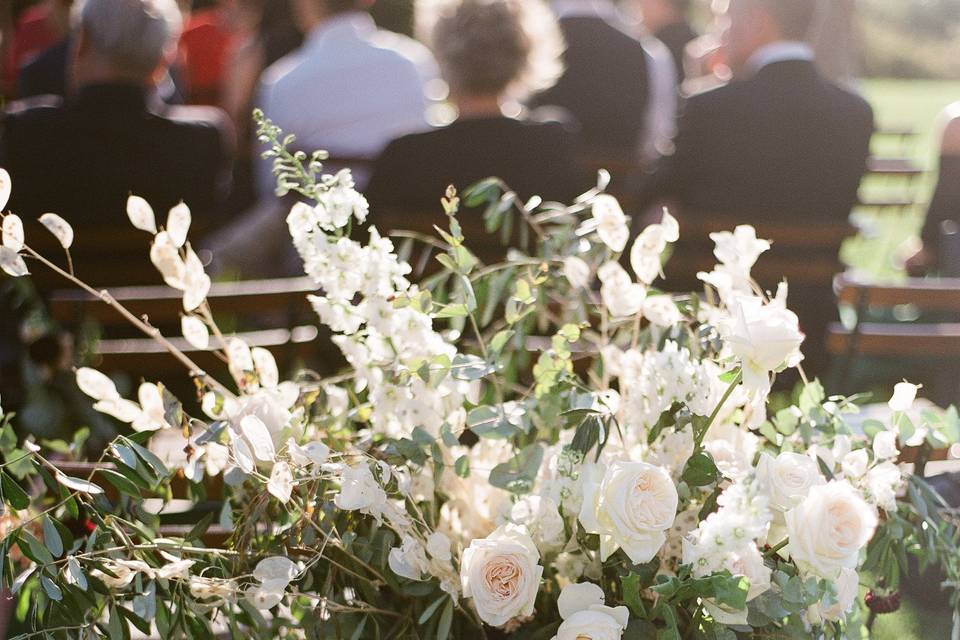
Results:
x,y
59,227
178,224
141,214
13,232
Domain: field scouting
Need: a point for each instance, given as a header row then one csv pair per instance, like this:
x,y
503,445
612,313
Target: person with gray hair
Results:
x,y
112,136
779,143
492,55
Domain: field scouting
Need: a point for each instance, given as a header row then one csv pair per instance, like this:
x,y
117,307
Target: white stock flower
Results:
x,y
611,222
885,445
829,528
622,297
501,573
882,484
585,616
630,507
904,395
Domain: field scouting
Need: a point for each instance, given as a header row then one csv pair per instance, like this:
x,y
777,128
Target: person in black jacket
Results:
x,y
83,157
605,87
667,21
489,51
778,143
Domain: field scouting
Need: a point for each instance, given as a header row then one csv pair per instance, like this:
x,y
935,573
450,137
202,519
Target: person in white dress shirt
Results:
x,y
350,89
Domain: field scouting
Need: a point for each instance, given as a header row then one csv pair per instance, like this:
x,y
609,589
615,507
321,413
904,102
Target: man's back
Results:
x,y
350,89
604,86
83,159
784,144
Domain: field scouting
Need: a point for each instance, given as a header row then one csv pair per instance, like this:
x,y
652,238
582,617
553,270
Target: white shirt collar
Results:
x,y
779,52
585,9
355,24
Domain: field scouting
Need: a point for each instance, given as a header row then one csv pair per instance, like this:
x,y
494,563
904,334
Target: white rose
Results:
x,y
829,528
585,616
854,464
848,588
882,483
885,445
630,507
764,337
904,395
577,272
611,222
501,573
787,479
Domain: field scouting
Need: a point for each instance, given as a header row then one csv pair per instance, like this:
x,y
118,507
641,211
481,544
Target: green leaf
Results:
x,y
121,482
432,609
731,591
446,620
126,455
13,494
631,595
462,466
32,548
196,533
500,340
52,590
468,367
811,397
518,475
452,311
52,537
701,470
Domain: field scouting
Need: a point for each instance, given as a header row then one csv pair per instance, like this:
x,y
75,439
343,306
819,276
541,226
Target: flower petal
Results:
x,y
12,263
257,434
178,224
195,332
59,227
6,186
96,385
141,214
13,232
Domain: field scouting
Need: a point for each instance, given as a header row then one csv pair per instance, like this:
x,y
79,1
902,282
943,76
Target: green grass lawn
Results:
x,y
899,103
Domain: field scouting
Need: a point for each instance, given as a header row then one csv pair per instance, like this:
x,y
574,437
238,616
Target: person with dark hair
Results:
x,y
667,21
491,53
350,89
83,157
778,142
610,87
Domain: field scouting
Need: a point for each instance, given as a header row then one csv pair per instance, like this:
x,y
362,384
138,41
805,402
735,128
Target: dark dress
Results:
x,y
944,207
677,36
533,158
604,88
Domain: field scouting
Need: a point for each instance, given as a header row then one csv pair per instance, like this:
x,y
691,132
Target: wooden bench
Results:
x,y
939,340
894,168
249,306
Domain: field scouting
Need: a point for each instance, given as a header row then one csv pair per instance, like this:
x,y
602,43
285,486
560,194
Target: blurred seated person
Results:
x,y
45,73
32,31
489,52
84,156
944,207
778,143
667,21
608,86
350,89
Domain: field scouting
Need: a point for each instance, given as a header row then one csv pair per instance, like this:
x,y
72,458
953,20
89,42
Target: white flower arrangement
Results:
x,y
445,486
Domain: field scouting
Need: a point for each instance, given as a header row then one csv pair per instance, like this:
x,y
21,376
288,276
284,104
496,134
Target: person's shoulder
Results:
x,y
950,139
401,47
280,69
715,95
850,103
209,123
